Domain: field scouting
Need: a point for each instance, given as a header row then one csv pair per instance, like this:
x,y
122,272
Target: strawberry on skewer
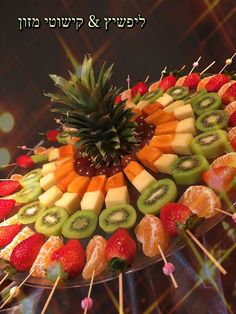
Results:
x,y
8,187
6,208
27,161
8,233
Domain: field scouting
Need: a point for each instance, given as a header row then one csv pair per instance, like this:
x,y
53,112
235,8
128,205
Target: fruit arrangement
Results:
x,y
153,160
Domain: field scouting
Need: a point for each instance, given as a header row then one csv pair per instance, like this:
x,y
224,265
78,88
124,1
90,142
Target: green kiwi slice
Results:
x,y
211,144
188,170
31,177
80,225
29,193
212,120
120,216
191,98
39,159
152,96
157,195
62,137
178,92
29,213
207,102
50,221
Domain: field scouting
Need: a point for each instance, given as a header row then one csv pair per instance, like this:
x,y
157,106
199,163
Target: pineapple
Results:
x,y
87,104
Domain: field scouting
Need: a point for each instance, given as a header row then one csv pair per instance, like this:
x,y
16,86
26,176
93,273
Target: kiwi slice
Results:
x,y
178,92
80,225
31,177
62,137
39,159
188,170
29,213
211,144
29,193
120,216
157,195
212,120
50,221
207,102
152,96
195,96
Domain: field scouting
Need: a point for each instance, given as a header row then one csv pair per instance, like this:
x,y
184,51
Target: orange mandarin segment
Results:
x,y
63,170
148,155
163,142
97,183
79,185
64,182
149,109
115,181
150,232
66,150
154,86
133,169
166,128
95,257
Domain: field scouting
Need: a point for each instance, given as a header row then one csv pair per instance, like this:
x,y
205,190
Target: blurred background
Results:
x,y
176,33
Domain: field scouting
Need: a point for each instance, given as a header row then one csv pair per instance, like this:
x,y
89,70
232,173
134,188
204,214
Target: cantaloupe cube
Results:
x,y
181,143
97,183
133,169
163,142
66,150
148,155
115,181
50,197
69,201
79,185
62,171
64,182
164,163
166,128
117,196
151,108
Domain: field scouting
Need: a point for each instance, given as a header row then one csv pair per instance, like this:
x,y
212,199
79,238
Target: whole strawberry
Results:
x,y
216,82
6,207
24,161
8,233
167,82
25,253
120,250
51,135
8,187
192,80
173,215
140,87
71,258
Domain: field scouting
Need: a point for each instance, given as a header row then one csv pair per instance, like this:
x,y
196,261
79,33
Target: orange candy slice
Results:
x,y
95,257
201,200
150,232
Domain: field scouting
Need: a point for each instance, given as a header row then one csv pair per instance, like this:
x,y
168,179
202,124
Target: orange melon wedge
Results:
x,y
97,183
66,150
148,155
115,181
79,185
166,128
149,109
63,170
133,169
163,142
64,182
159,117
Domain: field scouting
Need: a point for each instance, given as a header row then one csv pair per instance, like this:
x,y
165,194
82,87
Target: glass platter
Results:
x,y
141,261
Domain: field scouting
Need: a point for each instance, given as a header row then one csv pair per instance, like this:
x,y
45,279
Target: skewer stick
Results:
x,y
209,66
26,278
90,290
146,79
121,303
162,73
8,180
233,216
25,148
50,295
8,165
227,62
7,300
4,278
165,261
128,81
209,255
195,64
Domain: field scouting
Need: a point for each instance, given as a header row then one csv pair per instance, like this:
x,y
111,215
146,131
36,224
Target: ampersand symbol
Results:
x,y
93,21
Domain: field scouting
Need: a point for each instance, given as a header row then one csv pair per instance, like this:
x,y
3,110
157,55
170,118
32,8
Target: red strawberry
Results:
x,y
52,135
8,187
216,82
219,178
173,214
140,87
120,250
167,82
118,99
230,94
6,207
233,143
25,253
192,80
71,257
7,233
232,119
24,161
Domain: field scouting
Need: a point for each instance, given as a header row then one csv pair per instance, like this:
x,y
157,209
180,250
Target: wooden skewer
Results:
x,y
209,255
146,79
121,302
224,212
8,165
4,278
227,62
8,180
90,289
50,295
21,284
165,261
162,73
7,300
25,148
195,64
209,66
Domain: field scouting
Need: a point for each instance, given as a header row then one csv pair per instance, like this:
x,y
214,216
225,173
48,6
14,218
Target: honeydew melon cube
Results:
x,y
50,197
143,180
174,105
165,100
69,201
181,143
142,104
48,167
186,126
53,154
184,112
92,201
117,196
164,163
48,181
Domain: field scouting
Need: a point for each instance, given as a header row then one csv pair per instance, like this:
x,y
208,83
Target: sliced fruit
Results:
x,y
148,155
64,137
178,92
201,200
194,97
231,107
232,120
66,150
152,96
228,92
97,183
211,144
9,221
50,221
184,126
70,202
166,128
80,225
207,102
176,104
64,183
149,109
48,181
6,208
9,187
49,167
115,181
167,82
188,170
165,100
184,112
150,233
29,193
165,162
79,185
31,177
53,154
61,172
156,195
225,160
117,196
8,233
50,197
159,117
121,216
181,143
219,179
212,120
29,213
163,142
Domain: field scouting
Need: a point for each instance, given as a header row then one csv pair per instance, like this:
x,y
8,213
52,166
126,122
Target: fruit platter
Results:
x,y
123,180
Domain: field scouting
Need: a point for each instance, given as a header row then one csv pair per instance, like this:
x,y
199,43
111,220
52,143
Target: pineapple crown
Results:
x,y
88,104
